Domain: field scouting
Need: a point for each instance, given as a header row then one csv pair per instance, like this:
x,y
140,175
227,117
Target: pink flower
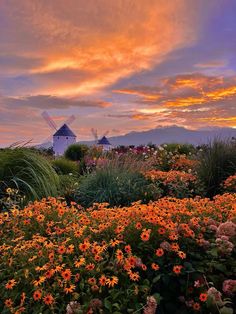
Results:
x,y
214,293
229,286
227,228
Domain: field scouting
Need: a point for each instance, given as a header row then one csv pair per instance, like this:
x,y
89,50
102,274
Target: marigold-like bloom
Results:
x,y
111,282
61,249
84,246
90,266
8,303
37,295
66,274
102,280
196,306
177,269
159,252
69,289
182,255
145,235
134,276
203,297
119,255
80,262
92,281
154,266
48,299
128,249
10,284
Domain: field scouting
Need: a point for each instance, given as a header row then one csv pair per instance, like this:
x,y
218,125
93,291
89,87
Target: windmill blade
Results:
x,y
106,133
95,133
49,120
70,119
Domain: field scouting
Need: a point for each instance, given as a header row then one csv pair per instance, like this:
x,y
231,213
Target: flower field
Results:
x,y
168,256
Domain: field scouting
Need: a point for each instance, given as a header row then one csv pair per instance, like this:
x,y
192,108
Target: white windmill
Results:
x,y
103,142
63,137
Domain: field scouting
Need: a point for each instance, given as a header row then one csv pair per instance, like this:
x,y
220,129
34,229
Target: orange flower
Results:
x,y
69,289
182,255
66,274
203,297
92,281
128,249
196,306
159,252
177,269
10,284
61,249
84,246
119,255
155,266
48,299
102,280
90,266
138,225
145,235
134,276
112,281
8,303
37,295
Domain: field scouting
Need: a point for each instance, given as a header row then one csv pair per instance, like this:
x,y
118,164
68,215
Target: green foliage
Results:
x,y
65,166
217,162
28,172
117,186
185,149
68,186
76,152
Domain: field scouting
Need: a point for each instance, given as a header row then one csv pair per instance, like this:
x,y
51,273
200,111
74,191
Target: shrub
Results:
x,y
118,187
217,161
76,152
176,254
182,149
28,172
65,166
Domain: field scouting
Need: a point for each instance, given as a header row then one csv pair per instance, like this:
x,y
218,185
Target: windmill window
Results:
x,y
58,137
67,137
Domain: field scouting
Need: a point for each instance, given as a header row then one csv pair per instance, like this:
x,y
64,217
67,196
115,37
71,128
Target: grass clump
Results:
x,y
217,161
117,182
28,172
65,166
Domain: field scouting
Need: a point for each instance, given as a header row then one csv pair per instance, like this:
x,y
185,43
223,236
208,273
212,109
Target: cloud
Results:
x,y
51,102
99,41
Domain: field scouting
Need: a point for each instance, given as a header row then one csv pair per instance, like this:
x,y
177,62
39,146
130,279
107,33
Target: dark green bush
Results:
x,y
76,152
217,161
65,166
29,172
117,186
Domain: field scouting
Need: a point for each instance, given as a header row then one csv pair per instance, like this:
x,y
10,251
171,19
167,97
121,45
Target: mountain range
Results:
x,y
170,134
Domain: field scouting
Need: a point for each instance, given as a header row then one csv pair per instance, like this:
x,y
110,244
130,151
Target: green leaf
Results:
x,y
226,310
108,305
156,279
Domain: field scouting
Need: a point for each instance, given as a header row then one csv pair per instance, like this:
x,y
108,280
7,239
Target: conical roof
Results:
x,y
64,131
104,141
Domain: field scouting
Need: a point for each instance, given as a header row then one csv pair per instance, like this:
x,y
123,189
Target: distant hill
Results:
x,y
160,135
172,134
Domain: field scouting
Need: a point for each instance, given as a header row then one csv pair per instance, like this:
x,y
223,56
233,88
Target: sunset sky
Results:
x,y
117,65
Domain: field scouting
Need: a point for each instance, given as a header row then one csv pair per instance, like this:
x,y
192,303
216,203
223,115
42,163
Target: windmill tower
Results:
x,y
103,142
63,137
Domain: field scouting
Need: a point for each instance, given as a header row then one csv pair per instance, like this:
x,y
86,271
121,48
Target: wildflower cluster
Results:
x,y
175,183
230,184
56,258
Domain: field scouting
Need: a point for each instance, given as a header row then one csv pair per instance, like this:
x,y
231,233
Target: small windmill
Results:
x,y
103,141
63,137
